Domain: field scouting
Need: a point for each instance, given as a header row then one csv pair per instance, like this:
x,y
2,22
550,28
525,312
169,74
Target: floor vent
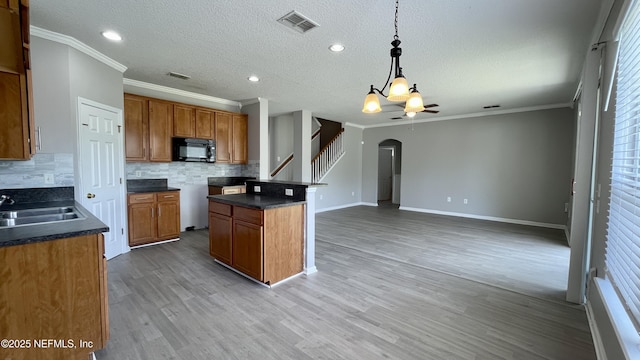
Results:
x,y
297,22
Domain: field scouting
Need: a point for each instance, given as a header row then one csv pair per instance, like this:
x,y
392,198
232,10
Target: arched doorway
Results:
x,y
389,171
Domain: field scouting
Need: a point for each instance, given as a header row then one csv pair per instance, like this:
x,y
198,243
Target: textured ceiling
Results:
x,y
463,54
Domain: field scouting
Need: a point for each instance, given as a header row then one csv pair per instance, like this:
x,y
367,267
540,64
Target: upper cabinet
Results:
x,y
151,123
205,124
184,121
239,139
17,140
148,128
192,122
231,138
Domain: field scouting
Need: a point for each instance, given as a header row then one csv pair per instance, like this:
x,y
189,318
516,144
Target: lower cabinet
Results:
x,y
153,216
55,290
266,245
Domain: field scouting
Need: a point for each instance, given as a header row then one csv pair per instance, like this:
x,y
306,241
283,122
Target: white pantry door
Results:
x,y
101,170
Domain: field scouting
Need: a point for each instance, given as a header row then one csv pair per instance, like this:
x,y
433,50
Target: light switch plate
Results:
x,y
256,188
288,192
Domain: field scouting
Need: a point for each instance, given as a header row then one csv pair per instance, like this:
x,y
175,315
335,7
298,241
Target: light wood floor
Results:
x,y
172,301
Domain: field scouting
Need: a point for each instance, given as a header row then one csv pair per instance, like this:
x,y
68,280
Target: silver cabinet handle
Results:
x,y
39,139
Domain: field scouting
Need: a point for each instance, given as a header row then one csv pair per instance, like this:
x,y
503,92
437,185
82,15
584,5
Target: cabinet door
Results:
x,y
142,223
223,138
136,132
14,117
168,216
160,129
204,124
239,139
184,122
220,232
247,249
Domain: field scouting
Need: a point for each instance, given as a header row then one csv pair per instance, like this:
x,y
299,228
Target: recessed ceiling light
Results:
x,y
112,35
336,47
253,78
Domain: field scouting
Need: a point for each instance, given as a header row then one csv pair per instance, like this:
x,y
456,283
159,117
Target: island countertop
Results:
x,y
255,201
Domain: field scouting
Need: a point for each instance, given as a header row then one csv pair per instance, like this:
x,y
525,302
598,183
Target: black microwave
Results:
x,y
194,150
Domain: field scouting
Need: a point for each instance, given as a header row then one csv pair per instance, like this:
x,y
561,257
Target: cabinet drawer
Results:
x,y
142,198
253,216
173,195
232,190
219,208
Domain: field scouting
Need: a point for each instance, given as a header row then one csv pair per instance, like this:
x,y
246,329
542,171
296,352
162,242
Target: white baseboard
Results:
x,y
311,270
344,206
595,334
154,243
482,217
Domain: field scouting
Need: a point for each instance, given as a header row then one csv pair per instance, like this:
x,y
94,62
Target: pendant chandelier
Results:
x,y
399,89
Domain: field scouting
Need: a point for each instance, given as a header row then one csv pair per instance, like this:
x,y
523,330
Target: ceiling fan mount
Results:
x,y
404,116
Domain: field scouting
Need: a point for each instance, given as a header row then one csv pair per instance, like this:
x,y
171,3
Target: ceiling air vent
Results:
x,y
297,22
179,76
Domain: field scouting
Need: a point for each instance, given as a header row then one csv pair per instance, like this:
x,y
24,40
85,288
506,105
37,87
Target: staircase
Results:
x,y
327,157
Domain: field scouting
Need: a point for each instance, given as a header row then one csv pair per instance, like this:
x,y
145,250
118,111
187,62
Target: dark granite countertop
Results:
x,y
135,186
295,183
228,180
150,189
255,201
27,234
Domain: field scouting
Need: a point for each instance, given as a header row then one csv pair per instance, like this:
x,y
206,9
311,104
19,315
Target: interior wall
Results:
x,y
281,143
344,182
511,166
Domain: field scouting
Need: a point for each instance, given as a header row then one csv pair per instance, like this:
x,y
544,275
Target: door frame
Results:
x,y
393,170
124,243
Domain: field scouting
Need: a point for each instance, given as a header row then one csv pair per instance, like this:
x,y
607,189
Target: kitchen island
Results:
x,y
261,233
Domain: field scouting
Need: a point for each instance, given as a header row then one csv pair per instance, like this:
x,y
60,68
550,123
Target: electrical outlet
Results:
x,y
320,196
448,198
566,207
288,192
138,173
278,159
465,201
353,193
256,188
49,179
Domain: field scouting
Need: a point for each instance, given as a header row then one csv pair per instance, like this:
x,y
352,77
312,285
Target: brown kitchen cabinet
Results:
x,y
148,128
205,122
265,244
231,138
55,289
220,231
17,139
226,190
153,217
184,121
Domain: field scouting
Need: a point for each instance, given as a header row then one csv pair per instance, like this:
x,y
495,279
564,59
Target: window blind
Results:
x,y
623,233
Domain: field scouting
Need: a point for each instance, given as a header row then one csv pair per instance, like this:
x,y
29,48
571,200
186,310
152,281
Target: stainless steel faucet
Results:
x,y
6,198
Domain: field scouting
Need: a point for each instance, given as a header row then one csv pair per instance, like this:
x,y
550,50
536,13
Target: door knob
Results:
x,y
90,196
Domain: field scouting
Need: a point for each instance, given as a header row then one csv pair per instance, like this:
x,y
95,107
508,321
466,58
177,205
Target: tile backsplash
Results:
x,y
180,173
58,167
43,170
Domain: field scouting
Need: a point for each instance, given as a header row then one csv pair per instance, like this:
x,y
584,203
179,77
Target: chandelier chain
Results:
x,y
395,23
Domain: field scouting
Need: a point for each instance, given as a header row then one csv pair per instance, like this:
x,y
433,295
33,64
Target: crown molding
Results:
x,y
78,45
474,115
355,125
178,92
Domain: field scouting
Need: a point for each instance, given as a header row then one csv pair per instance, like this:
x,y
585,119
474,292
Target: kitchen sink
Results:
x,y
38,216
